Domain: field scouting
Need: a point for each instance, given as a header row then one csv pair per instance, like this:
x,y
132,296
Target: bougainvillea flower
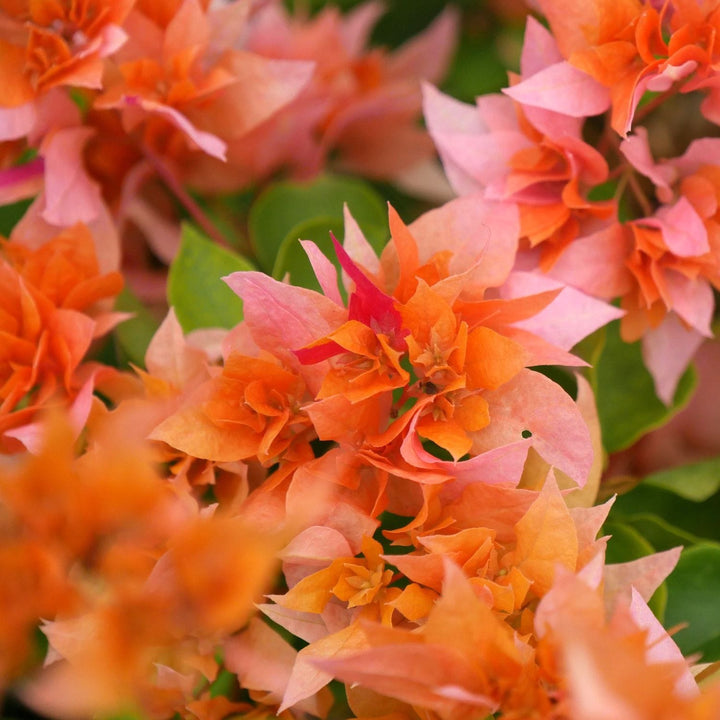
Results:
x,y
251,409
632,47
579,637
531,155
672,261
52,309
362,104
176,77
462,349
48,44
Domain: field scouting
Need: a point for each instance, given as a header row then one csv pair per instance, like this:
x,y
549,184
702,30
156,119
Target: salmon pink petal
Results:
x,y
478,161
568,319
643,575
260,89
662,81
420,674
163,235
17,122
209,143
540,49
682,228
427,55
324,270
305,625
661,647
444,113
33,435
307,678
283,318
564,89
667,351
692,299
479,233
70,194
356,245
188,29
595,263
169,356
357,26
636,149
452,124
533,403
314,548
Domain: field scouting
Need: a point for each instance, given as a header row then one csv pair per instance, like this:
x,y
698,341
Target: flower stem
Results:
x,y
187,201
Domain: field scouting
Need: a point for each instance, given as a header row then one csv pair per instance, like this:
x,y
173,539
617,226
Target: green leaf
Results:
x,y
659,533
293,261
672,519
195,286
224,684
291,258
693,592
11,214
626,400
697,481
134,335
285,205
626,543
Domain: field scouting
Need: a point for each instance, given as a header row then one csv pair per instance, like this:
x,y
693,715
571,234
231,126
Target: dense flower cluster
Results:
x,y
373,488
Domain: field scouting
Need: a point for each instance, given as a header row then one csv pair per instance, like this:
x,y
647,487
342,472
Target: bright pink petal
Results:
x,y
540,49
22,181
562,88
17,122
661,647
692,299
368,304
595,263
283,318
636,149
667,350
568,319
324,270
70,194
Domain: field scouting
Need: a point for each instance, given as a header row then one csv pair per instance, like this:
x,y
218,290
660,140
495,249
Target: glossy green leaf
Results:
x,y
11,214
195,286
285,205
696,519
693,592
697,481
134,335
626,400
292,260
625,543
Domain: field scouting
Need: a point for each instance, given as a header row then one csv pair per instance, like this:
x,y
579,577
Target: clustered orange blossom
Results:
x,y
367,497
